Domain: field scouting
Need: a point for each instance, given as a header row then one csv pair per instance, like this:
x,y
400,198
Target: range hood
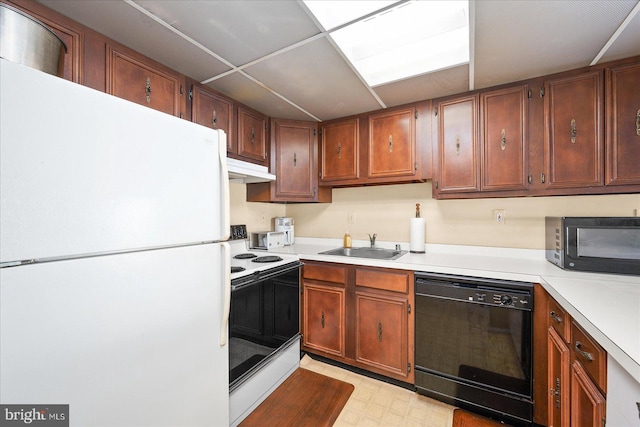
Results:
x,y
248,173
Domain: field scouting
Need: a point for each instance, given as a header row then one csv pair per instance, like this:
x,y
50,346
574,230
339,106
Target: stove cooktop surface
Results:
x,y
252,261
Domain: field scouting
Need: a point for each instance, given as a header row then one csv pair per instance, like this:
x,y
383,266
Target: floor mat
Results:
x,y
306,398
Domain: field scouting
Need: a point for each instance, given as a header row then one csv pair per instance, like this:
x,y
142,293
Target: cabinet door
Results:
x,y
392,144
381,333
457,146
324,319
623,124
574,136
252,137
213,111
504,139
587,403
339,152
296,156
558,380
130,78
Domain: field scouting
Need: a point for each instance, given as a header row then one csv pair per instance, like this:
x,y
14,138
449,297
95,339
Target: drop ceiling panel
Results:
x,y
315,75
125,24
248,92
240,31
627,44
521,39
428,86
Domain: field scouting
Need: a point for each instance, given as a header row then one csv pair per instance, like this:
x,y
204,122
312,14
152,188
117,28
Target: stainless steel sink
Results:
x,y
375,253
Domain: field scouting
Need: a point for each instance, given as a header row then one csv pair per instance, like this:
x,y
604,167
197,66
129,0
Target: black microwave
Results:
x,y
599,244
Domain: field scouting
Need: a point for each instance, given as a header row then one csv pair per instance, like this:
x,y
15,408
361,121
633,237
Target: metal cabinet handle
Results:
x,y
555,317
573,131
638,123
583,353
379,331
457,145
503,140
214,120
390,143
322,319
253,135
148,89
339,150
295,160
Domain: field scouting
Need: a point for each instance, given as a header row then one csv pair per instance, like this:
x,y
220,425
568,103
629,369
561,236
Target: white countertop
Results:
x,y
607,306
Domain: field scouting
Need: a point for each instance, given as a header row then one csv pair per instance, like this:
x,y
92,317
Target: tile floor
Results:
x,y
376,403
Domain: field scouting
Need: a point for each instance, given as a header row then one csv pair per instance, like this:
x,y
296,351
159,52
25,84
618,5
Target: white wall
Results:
x,y
386,210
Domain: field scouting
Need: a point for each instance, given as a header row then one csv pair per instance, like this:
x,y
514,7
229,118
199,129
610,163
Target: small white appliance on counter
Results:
x,y
114,277
285,224
266,240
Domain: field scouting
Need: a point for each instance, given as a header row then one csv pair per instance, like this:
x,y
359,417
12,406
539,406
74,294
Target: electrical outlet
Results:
x,y
352,218
499,215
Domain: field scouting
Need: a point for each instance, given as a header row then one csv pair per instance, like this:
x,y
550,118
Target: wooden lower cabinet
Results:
x,y
576,370
381,332
349,315
587,402
323,319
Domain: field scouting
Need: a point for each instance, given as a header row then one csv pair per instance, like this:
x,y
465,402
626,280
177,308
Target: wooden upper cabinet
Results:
x,y
296,155
252,136
134,78
504,139
339,152
294,160
458,155
574,130
623,125
213,111
392,144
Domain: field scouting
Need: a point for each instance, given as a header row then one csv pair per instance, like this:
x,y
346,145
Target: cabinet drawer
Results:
x,y
559,319
592,357
396,281
325,273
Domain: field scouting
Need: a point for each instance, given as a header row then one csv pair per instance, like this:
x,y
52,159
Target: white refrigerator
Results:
x,y
114,273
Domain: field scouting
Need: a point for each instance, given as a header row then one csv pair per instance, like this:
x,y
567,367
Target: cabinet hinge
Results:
x,y
320,132
541,92
436,182
435,111
530,93
415,167
191,93
408,367
265,126
415,114
530,179
409,308
314,132
542,178
181,90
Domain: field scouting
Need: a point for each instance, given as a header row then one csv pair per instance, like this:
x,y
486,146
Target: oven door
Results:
x,y
264,317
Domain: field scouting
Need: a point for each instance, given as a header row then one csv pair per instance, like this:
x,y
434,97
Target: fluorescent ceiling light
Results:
x,y
413,38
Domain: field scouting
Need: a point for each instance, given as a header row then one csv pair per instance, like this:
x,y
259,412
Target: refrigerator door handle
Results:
x,y
224,179
226,307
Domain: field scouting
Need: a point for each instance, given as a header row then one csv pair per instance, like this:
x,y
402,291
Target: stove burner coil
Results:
x,y
270,258
245,256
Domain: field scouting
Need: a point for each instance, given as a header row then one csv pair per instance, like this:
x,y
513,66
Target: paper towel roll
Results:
x,y
417,235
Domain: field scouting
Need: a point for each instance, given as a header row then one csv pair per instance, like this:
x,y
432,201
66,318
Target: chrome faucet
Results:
x,y
372,239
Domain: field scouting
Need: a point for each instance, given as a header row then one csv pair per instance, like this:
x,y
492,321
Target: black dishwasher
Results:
x,y
473,344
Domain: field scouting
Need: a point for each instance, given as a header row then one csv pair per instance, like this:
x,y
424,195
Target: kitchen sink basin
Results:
x,y
375,253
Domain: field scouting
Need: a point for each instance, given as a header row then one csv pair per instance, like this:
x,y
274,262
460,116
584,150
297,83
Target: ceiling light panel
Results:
x,y
410,39
332,14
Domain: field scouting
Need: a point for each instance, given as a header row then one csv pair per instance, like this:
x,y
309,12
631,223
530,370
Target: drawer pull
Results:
x,y
379,331
583,353
555,317
322,319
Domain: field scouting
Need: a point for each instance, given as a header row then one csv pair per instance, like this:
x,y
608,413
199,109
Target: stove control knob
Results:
x,y
506,300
